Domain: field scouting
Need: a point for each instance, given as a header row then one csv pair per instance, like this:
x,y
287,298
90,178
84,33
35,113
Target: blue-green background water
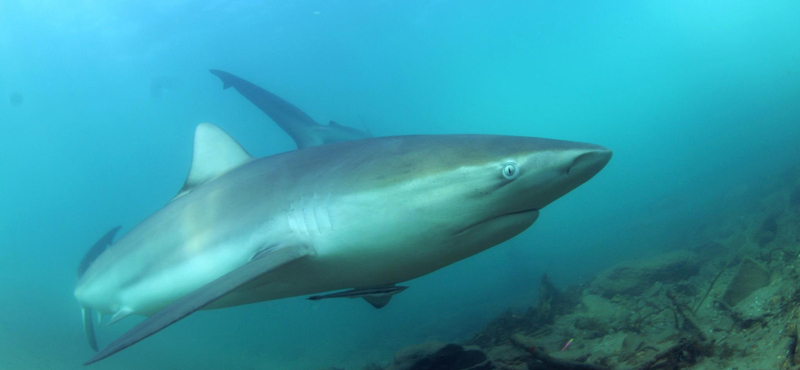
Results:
x,y
699,100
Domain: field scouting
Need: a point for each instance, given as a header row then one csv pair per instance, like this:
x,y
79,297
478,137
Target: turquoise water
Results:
x,y
99,100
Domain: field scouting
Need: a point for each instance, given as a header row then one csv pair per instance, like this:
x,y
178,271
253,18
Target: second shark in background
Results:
x,y
303,129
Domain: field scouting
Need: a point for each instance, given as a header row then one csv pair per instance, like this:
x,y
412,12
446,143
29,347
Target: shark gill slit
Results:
x,y
308,218
315,209
328,211
299,215
290,221
322,213
313,216
293,221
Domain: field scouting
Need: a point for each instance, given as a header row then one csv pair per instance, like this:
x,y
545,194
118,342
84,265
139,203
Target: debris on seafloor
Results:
x,y
768,231
438,355
794,198
552,300
750,277
636,277
730,302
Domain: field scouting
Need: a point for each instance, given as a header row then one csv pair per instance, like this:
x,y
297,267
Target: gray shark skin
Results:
x,y
349,215
303,129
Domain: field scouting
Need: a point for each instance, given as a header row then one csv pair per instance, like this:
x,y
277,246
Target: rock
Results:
x,y
440,356
794,198
635,277
630,346
548,293
711,250
748,278
768,231
766,302
796,357
592,326
498,330
508,357
600,316
598,306
760,304
599,351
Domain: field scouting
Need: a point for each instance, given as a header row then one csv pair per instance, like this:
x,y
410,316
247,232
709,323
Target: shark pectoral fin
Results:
x,y
214,154
121,314
378,297
97,249
88,327
265,262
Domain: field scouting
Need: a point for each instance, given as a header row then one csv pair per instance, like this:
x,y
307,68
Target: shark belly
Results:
x,y
150,292
195,251
361,246
353,268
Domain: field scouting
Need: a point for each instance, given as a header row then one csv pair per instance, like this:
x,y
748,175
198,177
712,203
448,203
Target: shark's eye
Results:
x,y
510,170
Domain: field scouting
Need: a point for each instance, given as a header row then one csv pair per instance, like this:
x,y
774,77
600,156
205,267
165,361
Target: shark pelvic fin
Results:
x,y
121,314
378,297
265,262
378,301
214,154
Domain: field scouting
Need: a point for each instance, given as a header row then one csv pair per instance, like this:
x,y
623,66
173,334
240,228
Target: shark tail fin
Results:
x,y
300,126
88,327
224,76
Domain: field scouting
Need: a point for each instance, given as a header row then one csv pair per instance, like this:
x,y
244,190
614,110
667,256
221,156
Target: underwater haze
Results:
x,y
698,100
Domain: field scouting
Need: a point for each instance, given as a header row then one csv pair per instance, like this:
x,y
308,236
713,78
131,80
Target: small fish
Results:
x,y
16,98
569,343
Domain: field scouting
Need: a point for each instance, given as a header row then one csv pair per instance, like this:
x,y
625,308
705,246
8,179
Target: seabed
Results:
x,y
730,301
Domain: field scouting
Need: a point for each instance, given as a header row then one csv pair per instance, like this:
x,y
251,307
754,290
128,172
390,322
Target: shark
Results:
x,y
360,216
300,126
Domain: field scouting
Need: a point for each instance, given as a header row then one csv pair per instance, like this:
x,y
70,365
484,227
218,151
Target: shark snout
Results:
x,y
590,163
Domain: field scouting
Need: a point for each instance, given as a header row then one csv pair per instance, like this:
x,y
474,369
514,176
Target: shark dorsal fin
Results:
x,y
214,154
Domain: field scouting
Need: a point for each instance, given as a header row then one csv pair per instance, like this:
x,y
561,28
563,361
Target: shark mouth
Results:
x,y
528,213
